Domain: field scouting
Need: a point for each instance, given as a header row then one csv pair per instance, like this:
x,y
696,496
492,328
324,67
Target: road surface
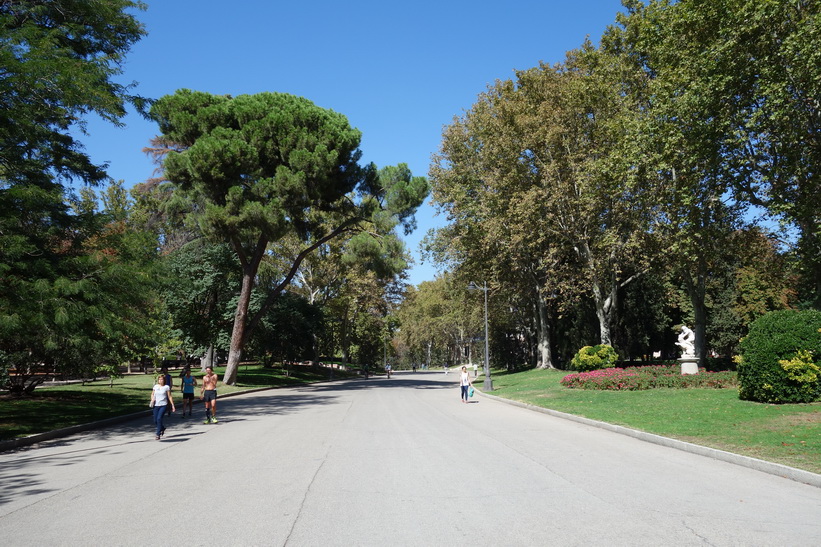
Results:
x,y
397,461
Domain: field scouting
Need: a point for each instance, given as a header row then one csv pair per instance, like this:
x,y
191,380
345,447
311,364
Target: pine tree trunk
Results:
x,y
238,333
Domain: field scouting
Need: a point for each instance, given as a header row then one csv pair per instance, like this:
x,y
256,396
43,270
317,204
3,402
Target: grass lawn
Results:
x,y
51,408
786,434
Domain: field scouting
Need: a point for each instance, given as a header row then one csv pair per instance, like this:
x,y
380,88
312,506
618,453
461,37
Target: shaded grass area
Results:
x,y
50,408
785,434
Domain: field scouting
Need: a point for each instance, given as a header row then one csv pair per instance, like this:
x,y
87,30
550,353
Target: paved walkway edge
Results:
x,y
66,431
798,475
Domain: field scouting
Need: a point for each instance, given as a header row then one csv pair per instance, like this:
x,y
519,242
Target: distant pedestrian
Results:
x,y
447,368
464,384
187,386
160,400
209,395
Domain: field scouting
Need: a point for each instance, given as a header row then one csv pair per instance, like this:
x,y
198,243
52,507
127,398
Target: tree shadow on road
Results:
x,y
404,380
21,470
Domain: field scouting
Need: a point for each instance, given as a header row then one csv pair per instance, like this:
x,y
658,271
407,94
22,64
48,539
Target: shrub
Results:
x,y
648,377
594,358
779,358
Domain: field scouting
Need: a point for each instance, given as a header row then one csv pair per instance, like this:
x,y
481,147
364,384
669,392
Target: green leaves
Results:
x,y
734,108
261,161
542,171
58,62
779,357
273,167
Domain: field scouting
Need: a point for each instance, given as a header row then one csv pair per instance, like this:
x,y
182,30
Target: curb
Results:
x,y
791,473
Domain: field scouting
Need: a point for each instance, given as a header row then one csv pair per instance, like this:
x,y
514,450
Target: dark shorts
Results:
x,y
209,395
187,396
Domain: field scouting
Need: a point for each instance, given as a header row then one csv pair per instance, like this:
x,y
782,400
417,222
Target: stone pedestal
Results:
x,y
689,364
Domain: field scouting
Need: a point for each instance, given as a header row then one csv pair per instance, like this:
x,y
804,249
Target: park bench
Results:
x,y
25,380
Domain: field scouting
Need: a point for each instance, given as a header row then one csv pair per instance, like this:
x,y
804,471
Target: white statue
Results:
x,y
686,340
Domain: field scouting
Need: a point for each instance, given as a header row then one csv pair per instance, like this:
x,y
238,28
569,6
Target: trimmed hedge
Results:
x,y
779,359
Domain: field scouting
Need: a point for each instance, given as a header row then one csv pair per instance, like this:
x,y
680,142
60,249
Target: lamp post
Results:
x,y
488,383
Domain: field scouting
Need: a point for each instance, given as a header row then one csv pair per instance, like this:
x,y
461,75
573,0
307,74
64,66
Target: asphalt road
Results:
x,y
388,462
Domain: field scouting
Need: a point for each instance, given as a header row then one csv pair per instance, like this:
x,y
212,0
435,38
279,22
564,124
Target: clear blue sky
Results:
x,y
399,71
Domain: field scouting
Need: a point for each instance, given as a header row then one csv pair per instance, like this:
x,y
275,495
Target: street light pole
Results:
x,y
488,383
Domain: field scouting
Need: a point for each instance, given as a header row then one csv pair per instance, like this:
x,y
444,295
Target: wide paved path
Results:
x,y
388,462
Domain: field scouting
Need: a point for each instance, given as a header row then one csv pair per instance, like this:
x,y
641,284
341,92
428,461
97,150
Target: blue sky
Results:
x,y
400,72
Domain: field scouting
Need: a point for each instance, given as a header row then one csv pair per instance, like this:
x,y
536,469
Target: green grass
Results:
x,y
786,434
50,408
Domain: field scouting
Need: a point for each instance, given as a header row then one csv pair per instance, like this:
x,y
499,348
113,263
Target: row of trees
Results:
x,y
264,237
619,193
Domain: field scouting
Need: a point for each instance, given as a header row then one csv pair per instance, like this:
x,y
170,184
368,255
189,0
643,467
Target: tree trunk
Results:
x,y
343,340
696,289
809,249
604,304
603,313
207,359
314,347
238,334
545,353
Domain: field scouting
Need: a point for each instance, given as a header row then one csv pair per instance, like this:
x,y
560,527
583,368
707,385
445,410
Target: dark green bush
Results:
x,y
770,367
594,358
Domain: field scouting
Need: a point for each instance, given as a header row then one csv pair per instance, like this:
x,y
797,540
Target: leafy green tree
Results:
x,y
439,320
287,330
267,166
489,196
541,177
682,135
323,276
59,60
740,80
647,316
772,149
757,279
67,285
82,306
200,284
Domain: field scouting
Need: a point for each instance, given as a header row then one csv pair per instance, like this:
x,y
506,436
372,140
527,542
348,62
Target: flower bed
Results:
x,y
648,377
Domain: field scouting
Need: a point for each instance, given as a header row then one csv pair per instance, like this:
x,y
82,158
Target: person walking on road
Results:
x,y
209,395
187,386
169,381
160,399
464,384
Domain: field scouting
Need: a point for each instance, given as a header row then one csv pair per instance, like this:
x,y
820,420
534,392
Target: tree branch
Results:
x,y
269,300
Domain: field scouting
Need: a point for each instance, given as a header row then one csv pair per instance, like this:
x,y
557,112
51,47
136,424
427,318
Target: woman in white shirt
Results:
x,y
464,383
160,398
